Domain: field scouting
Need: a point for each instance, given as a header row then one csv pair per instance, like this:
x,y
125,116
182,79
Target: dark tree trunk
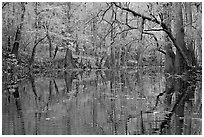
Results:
x,y
189,41
18,32
50,44
180,64
122,55
55,53
69,62
16,43
9,44
170,58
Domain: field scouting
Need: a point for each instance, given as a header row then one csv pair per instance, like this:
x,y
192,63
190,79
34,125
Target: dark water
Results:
x,y
102,102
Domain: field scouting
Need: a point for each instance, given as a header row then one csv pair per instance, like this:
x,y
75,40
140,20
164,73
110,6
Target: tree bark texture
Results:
x,y
169,56
189,32
18,32
180,65
69,64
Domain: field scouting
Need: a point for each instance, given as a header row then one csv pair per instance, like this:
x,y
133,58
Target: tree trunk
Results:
x,y
36,35
69,59
189,32
107,62
112,59
50,44
18,32
9,45
180,65
55,53
169,56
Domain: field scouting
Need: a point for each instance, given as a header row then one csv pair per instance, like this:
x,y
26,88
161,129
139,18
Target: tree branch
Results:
x,y
4,4
138,14
165,29
154,30
158,47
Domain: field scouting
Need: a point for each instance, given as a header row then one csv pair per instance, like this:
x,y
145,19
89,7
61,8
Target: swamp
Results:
x,y
101,68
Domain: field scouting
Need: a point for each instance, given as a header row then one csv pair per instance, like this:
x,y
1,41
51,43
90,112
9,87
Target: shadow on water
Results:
x,y
102,102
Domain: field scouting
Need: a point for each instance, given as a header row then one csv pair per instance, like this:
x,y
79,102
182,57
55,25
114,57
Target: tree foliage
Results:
x,y
124,31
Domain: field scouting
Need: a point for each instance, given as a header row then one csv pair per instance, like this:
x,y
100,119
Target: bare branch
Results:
x,y
42,11
163,25
137,14
97,15
40,40
123,31
158,47
4,4
106,11
154,30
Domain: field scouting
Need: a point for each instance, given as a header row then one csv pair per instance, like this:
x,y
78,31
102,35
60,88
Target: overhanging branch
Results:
x,y
164,27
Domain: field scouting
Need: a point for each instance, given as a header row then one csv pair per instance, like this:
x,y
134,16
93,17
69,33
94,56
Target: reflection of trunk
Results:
x,y
180,88
169,91
32,81
181,94
19,111
113,115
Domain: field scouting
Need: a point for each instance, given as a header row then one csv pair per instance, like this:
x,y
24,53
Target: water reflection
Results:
x,y
102,102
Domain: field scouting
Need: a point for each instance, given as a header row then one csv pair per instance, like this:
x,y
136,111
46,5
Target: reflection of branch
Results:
x,y
180,100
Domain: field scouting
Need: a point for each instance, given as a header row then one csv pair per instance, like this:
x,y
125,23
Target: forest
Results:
x,y
101,35
70,40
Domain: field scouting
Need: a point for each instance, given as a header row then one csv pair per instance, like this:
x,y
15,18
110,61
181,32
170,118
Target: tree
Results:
x,y
189,32
169,56
19,31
